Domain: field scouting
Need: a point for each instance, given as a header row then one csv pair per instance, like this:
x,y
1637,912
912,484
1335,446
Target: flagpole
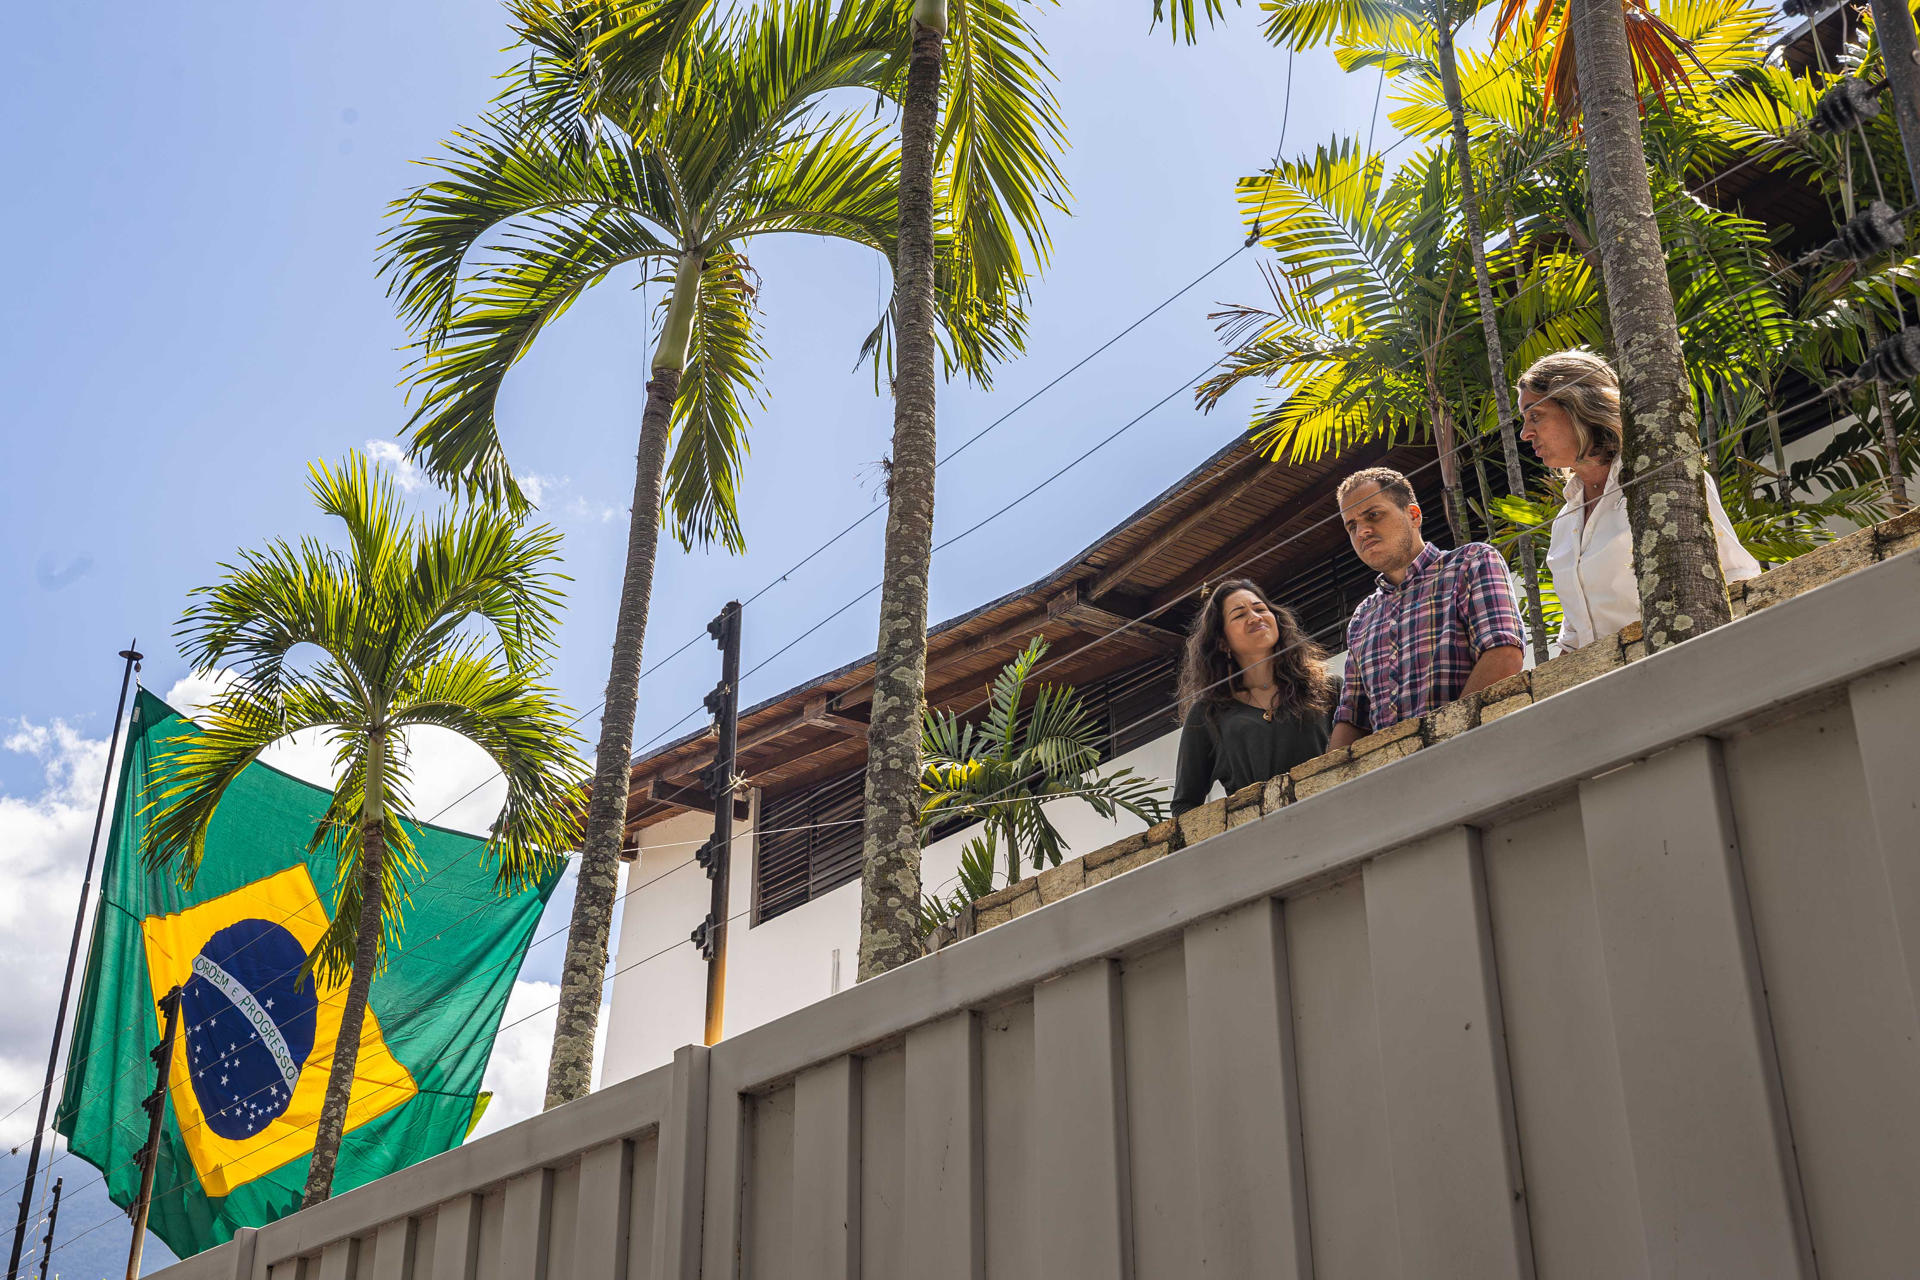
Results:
x,y
132,657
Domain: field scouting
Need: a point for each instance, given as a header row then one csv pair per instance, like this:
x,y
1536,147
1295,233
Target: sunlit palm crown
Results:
x,y
649,134
443,621
1371,304
1663,57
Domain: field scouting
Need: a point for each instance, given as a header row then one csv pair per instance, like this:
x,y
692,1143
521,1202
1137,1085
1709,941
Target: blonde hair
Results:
x,y
1586,386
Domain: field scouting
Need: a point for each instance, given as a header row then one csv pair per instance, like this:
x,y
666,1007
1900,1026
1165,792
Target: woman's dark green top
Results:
x,y
1236,746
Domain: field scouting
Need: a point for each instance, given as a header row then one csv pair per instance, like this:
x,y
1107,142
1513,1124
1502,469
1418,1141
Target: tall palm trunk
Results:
x,y
1683,592
1889,434
1490,327
366,954
1446,442
570,1070
890,853
1890,445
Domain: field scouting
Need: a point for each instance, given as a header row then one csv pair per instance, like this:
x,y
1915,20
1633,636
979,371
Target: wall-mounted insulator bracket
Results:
x,y
703,937
1875,230
717,779
1895,360
716,700
708,856
1849,103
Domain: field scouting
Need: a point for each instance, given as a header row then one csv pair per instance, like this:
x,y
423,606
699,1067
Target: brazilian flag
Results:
x,y
256,1035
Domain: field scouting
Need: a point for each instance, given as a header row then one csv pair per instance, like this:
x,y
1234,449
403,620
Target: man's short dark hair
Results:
x,y
1390,482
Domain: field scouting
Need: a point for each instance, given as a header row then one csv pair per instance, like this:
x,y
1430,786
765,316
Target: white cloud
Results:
x,y
583,509
43,849
552,494
389,454
455,783
517,1071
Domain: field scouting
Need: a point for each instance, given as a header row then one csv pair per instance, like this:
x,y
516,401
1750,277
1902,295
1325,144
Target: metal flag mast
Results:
x,y
132,657
716,854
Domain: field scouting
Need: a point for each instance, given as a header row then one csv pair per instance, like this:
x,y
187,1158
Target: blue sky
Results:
x,y
192,315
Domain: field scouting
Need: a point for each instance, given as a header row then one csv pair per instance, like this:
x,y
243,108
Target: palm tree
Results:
x,y
1360,335
976,160
394,622
1682,590
1004,769
1425,30
675,175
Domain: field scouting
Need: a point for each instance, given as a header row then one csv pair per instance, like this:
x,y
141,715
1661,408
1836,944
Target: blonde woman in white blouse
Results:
x,y
1570,414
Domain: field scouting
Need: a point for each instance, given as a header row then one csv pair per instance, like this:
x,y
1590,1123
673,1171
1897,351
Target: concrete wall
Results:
x,y
1619,984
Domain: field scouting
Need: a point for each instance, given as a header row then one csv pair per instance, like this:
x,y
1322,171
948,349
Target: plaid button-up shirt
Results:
x,y
1411,648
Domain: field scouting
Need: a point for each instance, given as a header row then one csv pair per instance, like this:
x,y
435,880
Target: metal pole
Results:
x,y
156,1105
53,1216
716,854
1900,51
132,657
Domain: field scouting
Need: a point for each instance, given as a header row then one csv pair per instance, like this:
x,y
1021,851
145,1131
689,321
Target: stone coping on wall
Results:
x,y
1822,565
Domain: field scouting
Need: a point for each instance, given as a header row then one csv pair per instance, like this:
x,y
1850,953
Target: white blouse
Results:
x,y
1592,561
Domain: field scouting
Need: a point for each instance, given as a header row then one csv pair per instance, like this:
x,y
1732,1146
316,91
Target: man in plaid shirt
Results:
x,y
1440,625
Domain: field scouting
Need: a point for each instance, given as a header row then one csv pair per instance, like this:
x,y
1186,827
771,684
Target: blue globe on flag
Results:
x,y
248,1015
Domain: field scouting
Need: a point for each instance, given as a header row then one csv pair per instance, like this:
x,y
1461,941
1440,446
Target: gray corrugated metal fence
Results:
x,y
1620,985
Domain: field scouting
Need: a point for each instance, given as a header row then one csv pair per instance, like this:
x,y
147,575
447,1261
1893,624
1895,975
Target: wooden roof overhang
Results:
x,y
1779,198
1130,594
1125,599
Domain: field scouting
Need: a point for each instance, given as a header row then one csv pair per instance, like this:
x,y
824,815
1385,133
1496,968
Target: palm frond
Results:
x,y
1000,135
710,415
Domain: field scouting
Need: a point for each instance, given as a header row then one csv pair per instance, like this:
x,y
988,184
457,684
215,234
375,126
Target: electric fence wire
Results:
x,y
743,914
998,513
1252,558
1146,718
1434,219
1465,327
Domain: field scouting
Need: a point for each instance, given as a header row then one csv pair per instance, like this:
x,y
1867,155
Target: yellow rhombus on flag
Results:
x,y
262,1118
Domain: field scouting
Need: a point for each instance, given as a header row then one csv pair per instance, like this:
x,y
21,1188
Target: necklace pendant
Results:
x,y
1267,715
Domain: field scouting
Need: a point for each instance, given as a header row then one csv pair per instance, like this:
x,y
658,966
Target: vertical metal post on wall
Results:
x,y
716,854
149,1155
46,1241
131,657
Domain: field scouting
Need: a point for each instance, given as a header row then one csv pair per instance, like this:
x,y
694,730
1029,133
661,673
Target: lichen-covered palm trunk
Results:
x,y
346,1048
890,867
1490,328
570,1071
1683,593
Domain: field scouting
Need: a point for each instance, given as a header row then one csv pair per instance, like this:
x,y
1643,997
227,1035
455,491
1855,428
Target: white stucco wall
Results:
x,y
659,991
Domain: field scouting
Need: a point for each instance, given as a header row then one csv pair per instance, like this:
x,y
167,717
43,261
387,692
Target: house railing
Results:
x,y
1623,983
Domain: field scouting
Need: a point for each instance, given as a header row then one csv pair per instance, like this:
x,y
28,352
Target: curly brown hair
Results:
x,y
1209,676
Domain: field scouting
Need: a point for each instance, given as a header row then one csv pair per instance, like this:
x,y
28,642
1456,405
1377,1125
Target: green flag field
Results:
x,y
256,1035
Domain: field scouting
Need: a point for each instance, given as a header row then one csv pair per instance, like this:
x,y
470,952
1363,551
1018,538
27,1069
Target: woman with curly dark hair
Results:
x,y
1256,693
